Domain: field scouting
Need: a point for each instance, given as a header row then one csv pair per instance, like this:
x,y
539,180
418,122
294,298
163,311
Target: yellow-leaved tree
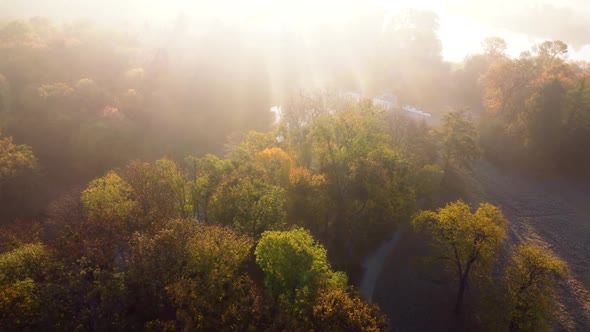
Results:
x,y
466,240
532,275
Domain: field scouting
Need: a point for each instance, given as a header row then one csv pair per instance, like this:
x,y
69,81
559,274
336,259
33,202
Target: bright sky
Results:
x,y
463,23
522,23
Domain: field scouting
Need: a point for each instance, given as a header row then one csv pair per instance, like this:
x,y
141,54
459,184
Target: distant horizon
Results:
x,y
463,25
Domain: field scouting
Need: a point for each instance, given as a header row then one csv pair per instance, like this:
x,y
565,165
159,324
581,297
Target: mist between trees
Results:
x,y
145,184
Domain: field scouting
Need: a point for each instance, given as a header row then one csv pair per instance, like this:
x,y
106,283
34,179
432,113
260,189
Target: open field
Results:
x,y
553,213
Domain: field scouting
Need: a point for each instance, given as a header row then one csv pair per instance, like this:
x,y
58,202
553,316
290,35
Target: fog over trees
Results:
x,y
227,166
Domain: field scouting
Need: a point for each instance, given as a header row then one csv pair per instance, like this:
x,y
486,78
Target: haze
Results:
x,y
463,24
294,165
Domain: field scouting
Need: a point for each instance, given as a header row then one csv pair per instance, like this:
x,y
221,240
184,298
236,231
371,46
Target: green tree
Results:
x,y
467,241
250,205
112,211
532,275
428,180
295,267
22,273
15,160
176,180
367,182
18,179
108,199
459,140
543,119
205,174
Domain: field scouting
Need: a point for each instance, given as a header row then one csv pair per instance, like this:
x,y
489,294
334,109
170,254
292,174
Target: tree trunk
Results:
x,y
462,284
459,302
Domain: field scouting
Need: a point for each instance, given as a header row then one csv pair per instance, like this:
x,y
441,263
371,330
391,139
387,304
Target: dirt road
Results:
x,y
374,263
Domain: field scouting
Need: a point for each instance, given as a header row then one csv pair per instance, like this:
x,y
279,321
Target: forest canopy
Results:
x,y
251,171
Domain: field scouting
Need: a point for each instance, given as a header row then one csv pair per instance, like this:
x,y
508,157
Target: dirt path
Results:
x,y
374,264
554,214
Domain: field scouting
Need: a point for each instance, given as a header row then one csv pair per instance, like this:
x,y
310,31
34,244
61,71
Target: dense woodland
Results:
x,y
148,188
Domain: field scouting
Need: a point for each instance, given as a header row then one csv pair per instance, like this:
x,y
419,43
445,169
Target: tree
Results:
x,y
543,120
18,176
336,310
459,140
212,291
277,165
5,97
155,196
157,260
22,273
550,52
205,174
250,205
295,267
111,210
506,85
15,159
410,58
428,180
175,179
467,241
494,46
108,199
532,275
367,182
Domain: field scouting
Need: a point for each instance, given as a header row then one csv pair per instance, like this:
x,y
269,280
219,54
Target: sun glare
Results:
x,y
295,14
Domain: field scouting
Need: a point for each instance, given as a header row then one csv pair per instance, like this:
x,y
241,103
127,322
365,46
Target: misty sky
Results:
x,y
463,23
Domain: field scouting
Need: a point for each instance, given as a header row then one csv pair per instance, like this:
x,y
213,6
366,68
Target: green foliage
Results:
x,y
250,205
23,262
157,260
295,266
205,174
21,271
19,304
542,119
459,140
212,292
247,148
108,199
128,254
428,180
15,159
532,275
367,182
19,176
176,180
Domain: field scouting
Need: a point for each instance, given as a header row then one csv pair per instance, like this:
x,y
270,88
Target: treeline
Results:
x,y
536,111
213,243
89,98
